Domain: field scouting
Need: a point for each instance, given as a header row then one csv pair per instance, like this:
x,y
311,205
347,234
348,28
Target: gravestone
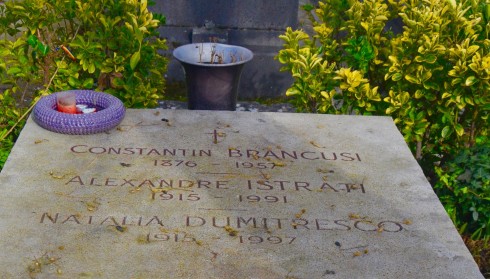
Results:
x,y
203,194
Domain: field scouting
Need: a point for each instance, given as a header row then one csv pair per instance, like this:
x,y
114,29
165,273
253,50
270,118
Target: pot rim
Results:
x,y
189,54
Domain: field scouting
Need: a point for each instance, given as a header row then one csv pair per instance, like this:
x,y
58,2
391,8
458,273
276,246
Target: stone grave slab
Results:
x,y
206,194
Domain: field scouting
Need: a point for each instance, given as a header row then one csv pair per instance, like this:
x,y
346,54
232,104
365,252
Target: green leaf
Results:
x,y
283,58
431,85
91,68
472,49
85,64
475,215
14,70
365,25
412,79
469,100
419,94
453,73
308,7
446,95
470,81
397,77
32,40
23,59
430,58
292,91
73,82
139,35
456,81
117,82
459,129
135,59
88,83
425,75
446,131
390,110
143,5
44,49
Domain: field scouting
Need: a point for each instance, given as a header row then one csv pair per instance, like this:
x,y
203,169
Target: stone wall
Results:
x,y
254,24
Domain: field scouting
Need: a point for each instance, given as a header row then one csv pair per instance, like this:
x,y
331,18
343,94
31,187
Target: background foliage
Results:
x,y
464,188
426,63
53,45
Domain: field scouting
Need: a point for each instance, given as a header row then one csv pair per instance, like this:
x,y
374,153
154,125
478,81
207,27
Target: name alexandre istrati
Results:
x,y
259,185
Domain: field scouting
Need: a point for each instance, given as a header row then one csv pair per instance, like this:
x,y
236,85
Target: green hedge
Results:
x,y
54,45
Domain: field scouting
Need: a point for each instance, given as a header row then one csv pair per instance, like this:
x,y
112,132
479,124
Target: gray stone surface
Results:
x,y
251,14
203,194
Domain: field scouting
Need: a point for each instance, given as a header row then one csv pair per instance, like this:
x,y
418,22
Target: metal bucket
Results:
x,y
212,73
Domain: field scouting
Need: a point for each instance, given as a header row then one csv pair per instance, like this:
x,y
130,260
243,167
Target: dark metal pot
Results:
x,y
212,73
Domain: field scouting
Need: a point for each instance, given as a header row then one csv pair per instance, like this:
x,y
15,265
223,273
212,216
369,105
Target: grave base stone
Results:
x,y
205,194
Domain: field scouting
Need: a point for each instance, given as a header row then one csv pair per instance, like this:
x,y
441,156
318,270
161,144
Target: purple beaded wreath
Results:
x,y
110,112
